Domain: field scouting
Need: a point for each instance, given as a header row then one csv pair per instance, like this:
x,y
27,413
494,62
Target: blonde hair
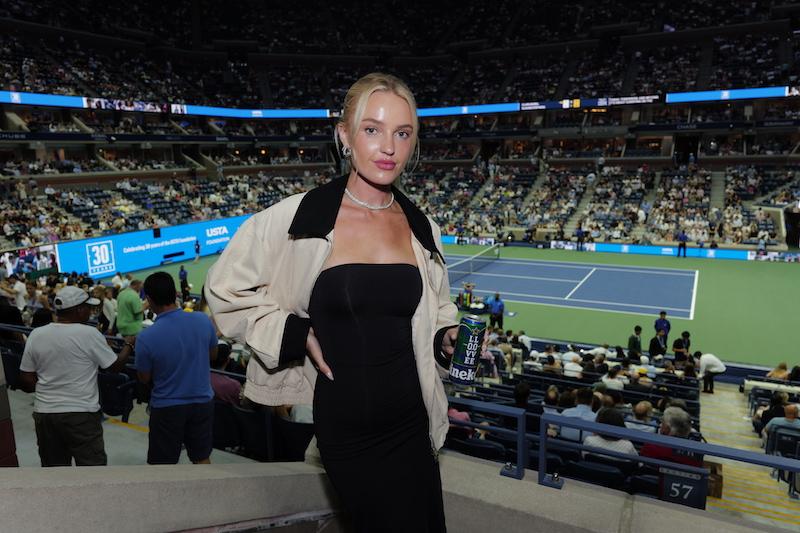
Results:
x,y
355,102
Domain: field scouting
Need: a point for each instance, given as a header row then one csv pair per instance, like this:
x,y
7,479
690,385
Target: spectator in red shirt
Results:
x,y
676,423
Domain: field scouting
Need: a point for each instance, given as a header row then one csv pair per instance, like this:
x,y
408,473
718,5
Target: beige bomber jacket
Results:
x,y
259,290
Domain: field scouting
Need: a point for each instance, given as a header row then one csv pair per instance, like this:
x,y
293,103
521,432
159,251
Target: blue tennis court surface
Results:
x,y
616,288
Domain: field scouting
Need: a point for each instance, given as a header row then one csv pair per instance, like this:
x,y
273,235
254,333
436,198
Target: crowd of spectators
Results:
x,y
747,61
667,69
616,204
554,201
420,28
599,74
722,145
66,166
128,163
737,223
682,204
503,199
446,194
70,213
65,65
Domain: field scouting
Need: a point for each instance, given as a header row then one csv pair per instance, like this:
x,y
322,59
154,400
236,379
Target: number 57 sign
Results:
x,y
685,488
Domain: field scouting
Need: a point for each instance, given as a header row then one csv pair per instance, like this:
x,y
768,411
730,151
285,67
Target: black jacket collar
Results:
x,y
316,215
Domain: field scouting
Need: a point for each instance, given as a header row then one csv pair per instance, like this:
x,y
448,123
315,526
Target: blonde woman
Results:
x,y
779,372
352,274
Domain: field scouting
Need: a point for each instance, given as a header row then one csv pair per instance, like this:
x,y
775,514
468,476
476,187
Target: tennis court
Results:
x,y
744,310
604,287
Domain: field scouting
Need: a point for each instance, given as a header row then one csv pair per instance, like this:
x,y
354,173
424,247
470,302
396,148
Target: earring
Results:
x,y
346,151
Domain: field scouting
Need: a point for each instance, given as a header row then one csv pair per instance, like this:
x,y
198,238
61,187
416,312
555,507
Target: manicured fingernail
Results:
x,y
329,375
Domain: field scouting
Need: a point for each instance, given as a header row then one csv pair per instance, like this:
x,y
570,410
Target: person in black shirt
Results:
x,y
658,344
681,347
776,410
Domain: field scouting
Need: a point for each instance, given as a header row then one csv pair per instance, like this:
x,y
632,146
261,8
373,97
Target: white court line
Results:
x,y
581,282
480,273
582,301
583,266
694,293
574,307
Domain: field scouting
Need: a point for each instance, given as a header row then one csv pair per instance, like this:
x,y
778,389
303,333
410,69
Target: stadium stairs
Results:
x,y
717,189
480,193
748,490
81,126
572,223
638,231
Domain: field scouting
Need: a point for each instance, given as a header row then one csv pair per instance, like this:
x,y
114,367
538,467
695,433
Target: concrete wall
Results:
x,y
246,496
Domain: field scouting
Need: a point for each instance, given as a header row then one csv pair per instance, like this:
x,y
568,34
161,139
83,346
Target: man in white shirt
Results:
x,y
599,350
17,291
569,354
573,368
60,365
710,367
117,280
525,340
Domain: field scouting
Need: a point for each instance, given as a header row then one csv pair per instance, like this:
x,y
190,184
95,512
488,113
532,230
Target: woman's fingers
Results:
x,y
449,341
315,352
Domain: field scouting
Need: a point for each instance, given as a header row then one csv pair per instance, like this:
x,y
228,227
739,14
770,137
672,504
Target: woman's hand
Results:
x,y
315,353
449,343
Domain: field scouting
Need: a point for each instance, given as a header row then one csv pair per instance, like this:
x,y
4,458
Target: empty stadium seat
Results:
x,y
484,449
597,473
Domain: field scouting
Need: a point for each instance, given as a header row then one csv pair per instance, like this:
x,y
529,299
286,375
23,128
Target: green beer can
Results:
x,y
467,353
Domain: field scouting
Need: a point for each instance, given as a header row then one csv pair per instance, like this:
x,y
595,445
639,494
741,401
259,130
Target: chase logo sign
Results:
x,y
100,258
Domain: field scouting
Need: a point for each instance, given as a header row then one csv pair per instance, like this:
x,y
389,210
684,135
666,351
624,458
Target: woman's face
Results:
x,y
383,139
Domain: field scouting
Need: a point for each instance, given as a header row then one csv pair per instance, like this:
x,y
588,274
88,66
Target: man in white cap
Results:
x,y
60,365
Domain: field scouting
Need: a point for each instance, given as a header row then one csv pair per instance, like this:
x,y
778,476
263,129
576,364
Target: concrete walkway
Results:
x,y
126,444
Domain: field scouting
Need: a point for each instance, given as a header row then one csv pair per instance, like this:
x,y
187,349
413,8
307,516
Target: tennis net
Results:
x,y
460,270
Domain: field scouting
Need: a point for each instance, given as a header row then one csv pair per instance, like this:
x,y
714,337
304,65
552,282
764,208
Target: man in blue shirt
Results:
x,y
496,309
682,238
789,420
663,323
175,353
583,410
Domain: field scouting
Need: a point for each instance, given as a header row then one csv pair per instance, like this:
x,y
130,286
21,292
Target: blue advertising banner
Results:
x,y
253,113
468,109
55,100
101,257
638,249
728,94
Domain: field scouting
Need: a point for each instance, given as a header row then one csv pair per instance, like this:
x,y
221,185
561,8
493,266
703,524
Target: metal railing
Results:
x,y
516,471
684,445
680,483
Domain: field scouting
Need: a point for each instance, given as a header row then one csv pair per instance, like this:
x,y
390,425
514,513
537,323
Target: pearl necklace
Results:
x,y
362,203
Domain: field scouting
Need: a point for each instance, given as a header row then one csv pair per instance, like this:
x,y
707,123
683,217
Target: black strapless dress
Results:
x,y
371,423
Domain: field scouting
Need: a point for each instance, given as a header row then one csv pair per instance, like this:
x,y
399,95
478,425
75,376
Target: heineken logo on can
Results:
x,y
467,353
